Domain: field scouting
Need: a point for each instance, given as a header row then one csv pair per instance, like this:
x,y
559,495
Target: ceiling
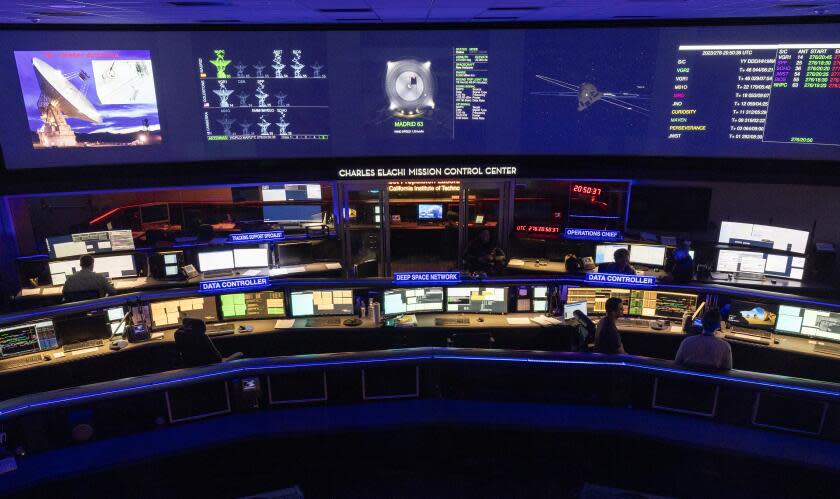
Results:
x,y
155,12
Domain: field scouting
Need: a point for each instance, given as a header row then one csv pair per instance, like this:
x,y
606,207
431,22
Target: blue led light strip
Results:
x,y
330,363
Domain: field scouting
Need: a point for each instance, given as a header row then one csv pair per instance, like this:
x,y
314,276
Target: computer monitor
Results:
x,y
170,264
244,258
809,322
477,300
169,313
540,301
763,236
158,213
647,255
412,300
215,260
90,242
116,322
596,298
752,315
86,327
294,254
604,252
787,266
27,338
291,192
569,309
322,302
113,267
292,213
256,305
429,211
660,304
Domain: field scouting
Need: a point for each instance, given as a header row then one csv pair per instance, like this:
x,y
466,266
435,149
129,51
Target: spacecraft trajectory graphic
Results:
x,y
588,94
410,87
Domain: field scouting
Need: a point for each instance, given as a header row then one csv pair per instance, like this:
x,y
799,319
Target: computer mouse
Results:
x,y
481,319
246,328
47,357
118,344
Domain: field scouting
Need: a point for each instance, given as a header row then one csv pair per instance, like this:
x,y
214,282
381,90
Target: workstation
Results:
x,y
222,210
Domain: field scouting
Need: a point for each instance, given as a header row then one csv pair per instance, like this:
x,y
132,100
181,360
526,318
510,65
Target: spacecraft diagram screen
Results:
x,y
118,97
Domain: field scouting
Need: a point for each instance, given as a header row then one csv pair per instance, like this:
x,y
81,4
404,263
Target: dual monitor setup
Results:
x,y
641,254
779,251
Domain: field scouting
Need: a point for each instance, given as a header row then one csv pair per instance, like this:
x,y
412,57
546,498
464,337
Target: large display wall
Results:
x,y
85,97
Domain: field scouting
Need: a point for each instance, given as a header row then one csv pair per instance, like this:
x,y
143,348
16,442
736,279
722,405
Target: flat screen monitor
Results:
x,y
412,300
647,255
291,192
430,211
216,260
244,258
569,309
596,298
83,328
604,253
169,313
322,302
661,304
763,236
158,213
294,254
257,305
787,266
477,300
27,338
753,315
540,302
105,241
809,322
113,267
292,213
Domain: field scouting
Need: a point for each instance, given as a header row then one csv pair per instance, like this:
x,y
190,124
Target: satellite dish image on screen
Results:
x,y
89,98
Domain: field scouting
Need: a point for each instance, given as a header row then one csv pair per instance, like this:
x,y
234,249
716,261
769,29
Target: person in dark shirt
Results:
x,y
607,337
87,280
483,254
621,265
706,350
681,265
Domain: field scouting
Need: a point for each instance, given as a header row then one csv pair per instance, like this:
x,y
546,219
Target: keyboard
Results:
x,y
753,332
747,338
323,321
212,274
83,344
452,321
221,329
749,276
21,361
827,349
633,322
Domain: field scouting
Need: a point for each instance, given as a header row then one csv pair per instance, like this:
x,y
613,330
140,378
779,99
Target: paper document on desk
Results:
x,y
516,262
251,273
277,271
30,292
295,270
543,320
333,266
284,324
518,321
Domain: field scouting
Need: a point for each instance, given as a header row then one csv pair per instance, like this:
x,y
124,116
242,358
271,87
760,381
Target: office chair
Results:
x,y
90,294
194,346
586,333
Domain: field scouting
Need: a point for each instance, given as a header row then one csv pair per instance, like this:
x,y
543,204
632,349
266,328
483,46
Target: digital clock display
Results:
x,y
587,189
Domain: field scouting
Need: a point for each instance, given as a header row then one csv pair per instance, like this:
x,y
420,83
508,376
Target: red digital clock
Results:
x,y
587,189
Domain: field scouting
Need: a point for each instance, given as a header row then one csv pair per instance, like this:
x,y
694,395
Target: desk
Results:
x,y
531,265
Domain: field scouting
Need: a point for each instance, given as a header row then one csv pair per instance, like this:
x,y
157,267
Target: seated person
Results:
x,y
681,265
607,337
620,265
483,255
706,350
87,280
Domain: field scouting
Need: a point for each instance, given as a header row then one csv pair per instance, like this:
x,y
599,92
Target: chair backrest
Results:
x,y
193,345
89,294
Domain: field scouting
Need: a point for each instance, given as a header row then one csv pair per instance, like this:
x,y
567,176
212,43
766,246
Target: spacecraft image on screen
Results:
x,y
588,94
410,87
89,98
